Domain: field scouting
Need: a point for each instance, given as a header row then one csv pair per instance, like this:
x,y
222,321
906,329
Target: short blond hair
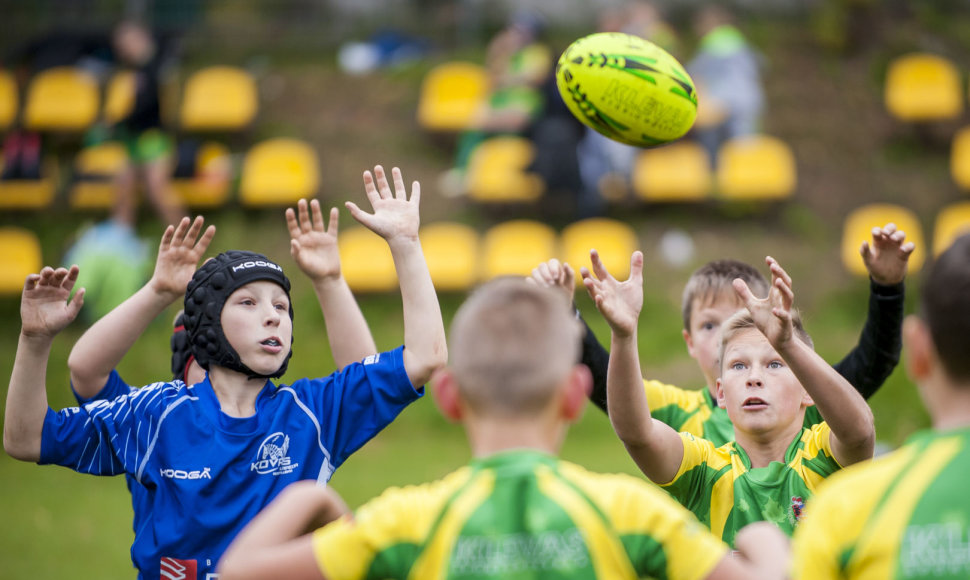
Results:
x,y
512,344
713,279
742,320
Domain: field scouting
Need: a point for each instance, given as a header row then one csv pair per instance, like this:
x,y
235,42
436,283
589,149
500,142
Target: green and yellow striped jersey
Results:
x,y
721,488
696,412
520,514
902,516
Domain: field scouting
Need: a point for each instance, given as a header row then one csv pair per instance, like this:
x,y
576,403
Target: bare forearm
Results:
x,y
101,347
347,331
27,399
424,332
842,407
626,401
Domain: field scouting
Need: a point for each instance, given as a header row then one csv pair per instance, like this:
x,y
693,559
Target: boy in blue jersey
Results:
x,y
769,375
210,455
517,510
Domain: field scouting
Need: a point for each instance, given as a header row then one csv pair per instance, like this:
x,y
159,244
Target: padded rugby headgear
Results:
x,y
205,296
181,353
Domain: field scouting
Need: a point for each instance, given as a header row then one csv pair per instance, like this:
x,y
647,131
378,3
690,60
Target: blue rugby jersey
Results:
x,y
197,475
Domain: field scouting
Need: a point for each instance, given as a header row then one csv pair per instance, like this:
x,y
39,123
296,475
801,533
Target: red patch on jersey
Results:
x,y
175,569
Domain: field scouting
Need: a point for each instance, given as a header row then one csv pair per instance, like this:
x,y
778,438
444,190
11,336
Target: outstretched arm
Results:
x,y
844,409
869,364
44,312
315,250
101,347
275,545
655,447
560,275
396,219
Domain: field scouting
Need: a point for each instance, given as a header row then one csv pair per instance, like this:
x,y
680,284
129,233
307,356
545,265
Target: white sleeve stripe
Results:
x,y
313,419
158,429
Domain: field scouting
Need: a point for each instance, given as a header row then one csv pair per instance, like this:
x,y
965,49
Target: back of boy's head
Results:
x,y
945,307
742,320
205,296
512,344
713,279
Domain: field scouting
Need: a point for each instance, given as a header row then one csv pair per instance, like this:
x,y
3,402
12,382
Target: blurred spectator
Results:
x,y
89,50
725,70
150,150
518,62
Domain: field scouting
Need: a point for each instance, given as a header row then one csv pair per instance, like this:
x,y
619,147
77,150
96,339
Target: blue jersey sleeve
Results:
x,y
112,389
355,403
108,437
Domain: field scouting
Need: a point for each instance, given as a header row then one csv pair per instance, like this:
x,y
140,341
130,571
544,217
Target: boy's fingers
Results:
x,y
598,268
334,221
167,236
291,223
907,249
399,190
194,229
864,250
74,306
382,186
415,193
31,282
636,267
741,287
370,188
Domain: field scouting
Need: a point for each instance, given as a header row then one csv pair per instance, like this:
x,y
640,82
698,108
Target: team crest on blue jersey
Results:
x,y
272,456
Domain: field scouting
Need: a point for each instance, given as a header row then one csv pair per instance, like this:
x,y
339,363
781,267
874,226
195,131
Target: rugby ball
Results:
x,y
627,88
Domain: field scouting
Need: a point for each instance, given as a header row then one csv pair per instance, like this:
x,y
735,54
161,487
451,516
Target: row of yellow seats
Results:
x,y
922,87
275,172
68,99
951,222
459,257
754,168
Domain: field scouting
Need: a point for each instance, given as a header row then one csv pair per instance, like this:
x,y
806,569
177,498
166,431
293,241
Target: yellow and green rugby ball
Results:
x,y
627,88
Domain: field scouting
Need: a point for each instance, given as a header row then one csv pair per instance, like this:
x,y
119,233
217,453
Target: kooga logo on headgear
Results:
x,y
256,264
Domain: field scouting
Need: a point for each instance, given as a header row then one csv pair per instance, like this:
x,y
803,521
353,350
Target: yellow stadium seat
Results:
x,y
279,172
211,184
515,247
219,98
30,194
755,168
62,99
9,99
96,170
497,172
923,87
365,261
119,96
21,257
960,158
451,96
451,250
858,228
677,172
952,222
615,241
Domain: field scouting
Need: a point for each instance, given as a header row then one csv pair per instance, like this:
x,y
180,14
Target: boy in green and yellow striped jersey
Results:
x,y
906,515
769,374
516,511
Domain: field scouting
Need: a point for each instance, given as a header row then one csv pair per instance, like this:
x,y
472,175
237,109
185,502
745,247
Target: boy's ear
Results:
x,y
579,384
446,396
720,393
807,400
690,343
917,348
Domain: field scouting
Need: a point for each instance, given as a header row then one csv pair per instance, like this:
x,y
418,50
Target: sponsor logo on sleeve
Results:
x,y
175,569
371,359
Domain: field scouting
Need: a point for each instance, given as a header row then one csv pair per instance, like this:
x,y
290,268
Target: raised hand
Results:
x,y
178,256
313,247
887,258
395,216
556,275
619,302
44,306
772,315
